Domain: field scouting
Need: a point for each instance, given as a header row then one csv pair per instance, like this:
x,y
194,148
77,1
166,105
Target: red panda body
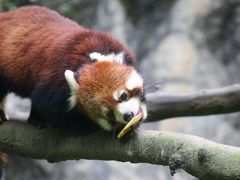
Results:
x,y
38,46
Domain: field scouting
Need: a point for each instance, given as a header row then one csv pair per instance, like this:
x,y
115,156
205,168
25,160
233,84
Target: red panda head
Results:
x,y
108,91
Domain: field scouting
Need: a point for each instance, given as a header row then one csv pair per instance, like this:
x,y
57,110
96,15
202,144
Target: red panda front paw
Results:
x,y
2,116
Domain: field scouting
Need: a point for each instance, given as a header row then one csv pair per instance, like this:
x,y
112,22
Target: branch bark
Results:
x,y
206,102
199,157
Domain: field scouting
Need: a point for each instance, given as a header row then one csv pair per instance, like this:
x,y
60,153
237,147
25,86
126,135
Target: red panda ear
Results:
x,y
119,58
69,75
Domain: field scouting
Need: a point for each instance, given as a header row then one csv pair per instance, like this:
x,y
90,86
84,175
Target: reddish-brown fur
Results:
x,y
35,41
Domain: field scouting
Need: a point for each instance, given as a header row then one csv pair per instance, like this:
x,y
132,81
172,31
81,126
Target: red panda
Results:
x,y
75,77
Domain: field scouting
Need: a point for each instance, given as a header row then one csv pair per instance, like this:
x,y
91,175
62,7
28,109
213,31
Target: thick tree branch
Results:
x,y
207,102
199,157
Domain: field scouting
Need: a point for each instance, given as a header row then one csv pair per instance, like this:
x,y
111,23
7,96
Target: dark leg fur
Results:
x,y
36,119
48,102
2,116
50,108
3,93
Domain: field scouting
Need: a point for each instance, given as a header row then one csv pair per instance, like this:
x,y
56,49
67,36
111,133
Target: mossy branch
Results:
x,y
197,156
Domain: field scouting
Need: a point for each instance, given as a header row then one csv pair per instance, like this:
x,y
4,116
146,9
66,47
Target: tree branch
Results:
x,y
206,102
197,156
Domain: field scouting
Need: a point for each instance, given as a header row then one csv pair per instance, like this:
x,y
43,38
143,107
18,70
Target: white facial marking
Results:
x,y
104,124
119,58
69,76
134,80
115,95
132,105
109,57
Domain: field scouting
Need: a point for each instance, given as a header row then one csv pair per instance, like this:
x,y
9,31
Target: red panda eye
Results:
x,y
123,96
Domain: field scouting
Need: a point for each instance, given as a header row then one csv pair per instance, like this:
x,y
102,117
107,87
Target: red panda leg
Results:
x,y
49,104
35,119
3,93
2,116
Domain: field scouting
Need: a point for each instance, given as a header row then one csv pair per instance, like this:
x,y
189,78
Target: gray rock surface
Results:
x,y
182,46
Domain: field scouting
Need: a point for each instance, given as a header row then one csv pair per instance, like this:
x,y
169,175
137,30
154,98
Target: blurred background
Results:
x,y
181,46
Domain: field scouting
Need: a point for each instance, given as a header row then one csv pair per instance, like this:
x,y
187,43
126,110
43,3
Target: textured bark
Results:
x,y
206,102
199,157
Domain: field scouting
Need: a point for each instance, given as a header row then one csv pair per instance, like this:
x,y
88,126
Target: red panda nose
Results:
x,y
128,116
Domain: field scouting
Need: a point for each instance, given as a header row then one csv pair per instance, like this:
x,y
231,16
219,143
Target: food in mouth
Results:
x,y
132,122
